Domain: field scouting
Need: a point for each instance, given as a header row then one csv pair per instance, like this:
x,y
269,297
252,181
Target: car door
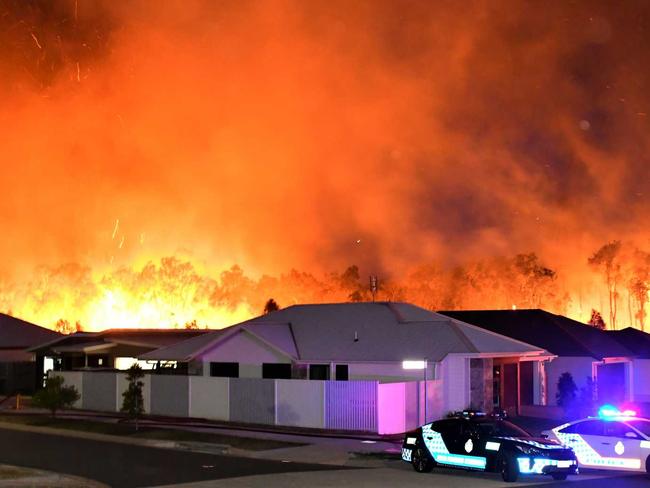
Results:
x,y
622,442
584,438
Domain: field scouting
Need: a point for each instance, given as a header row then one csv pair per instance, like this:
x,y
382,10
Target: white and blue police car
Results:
x,y
475,441
615,439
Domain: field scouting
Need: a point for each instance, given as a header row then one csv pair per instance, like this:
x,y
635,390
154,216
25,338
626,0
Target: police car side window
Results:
x,y
619,429
588,427
591,427
448,427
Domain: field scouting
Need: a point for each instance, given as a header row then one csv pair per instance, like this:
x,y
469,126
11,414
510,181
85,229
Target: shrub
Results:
x,y
55,395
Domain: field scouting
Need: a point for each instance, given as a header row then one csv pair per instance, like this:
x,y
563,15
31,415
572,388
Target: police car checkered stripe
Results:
x,y
532,443
436,446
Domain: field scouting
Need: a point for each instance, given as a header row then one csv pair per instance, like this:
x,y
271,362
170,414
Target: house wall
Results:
x,y
641,380
248,351
300,403
455,379
579,367
209,398
480,384
388,372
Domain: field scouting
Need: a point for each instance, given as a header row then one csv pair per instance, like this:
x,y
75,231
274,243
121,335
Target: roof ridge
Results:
x,y
461,335
559,321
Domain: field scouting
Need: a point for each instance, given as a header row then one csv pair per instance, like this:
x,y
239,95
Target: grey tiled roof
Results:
x,y
17,333
559,335
384,331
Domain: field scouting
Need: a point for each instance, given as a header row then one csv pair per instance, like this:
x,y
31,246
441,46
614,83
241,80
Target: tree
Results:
x,y
586,398
534,277
192,325
271,306
133,401
639,284
566,391
606,261
597,320
64,327
55,396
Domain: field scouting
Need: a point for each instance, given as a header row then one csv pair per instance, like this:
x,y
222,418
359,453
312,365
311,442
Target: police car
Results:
x,y
475,441
615,439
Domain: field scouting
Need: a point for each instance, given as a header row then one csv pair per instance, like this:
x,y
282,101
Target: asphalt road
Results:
x,y
123,465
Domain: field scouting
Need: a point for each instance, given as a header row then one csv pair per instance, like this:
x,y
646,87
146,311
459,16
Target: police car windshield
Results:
x,y
641,425
501,428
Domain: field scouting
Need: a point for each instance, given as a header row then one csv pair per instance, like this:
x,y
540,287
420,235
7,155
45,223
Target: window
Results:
x,y
224,370
342,372
276,371
641,424
448,427
319,371
619,429
588,427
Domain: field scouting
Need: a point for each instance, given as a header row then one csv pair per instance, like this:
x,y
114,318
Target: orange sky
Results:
x,y
314,135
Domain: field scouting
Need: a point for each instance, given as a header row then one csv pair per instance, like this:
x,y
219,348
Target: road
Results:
x,y
128,466
397,474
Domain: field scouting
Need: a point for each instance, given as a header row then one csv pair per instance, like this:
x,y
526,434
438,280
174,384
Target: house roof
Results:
x,y
633,339
144,339
384,331
16,333
559,335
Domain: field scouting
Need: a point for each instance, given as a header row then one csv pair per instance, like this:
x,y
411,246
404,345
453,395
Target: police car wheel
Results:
x,y
509,470
421,461
647,466
559,476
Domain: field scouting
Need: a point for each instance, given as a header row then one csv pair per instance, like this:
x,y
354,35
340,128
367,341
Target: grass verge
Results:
x,y
146,432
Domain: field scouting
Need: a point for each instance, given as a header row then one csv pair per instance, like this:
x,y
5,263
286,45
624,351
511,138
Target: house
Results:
x,y
638,342
20,370
582,350
380,342
108,349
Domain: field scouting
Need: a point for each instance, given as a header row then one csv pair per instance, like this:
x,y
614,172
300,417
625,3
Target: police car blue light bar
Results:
x,y
607,412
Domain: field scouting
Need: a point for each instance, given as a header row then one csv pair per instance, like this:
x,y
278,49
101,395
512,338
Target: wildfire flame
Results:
x,y
469,154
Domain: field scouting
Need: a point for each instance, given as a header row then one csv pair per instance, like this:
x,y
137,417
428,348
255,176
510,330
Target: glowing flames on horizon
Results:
x,y
152,145
176,292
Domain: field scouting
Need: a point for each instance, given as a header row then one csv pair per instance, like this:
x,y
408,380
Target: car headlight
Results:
x,y
529,450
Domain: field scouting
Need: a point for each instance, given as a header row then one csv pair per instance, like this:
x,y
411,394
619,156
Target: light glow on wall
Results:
x,y
414,364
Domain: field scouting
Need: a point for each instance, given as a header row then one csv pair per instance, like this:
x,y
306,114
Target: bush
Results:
x,y
55,396
133,402
566,391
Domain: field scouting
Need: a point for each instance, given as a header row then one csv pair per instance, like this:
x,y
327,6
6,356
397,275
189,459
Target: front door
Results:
x,y
611,383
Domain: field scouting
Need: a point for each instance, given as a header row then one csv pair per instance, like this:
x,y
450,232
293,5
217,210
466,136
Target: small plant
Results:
x,y
133,401
55,396
566,391
586,397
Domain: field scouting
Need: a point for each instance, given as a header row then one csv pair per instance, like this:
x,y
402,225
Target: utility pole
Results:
x,y
373,286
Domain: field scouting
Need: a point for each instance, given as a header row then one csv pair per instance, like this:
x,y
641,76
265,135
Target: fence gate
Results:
x,y
351,405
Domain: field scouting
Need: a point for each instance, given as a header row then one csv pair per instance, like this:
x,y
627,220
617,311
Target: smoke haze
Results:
x,y
287,135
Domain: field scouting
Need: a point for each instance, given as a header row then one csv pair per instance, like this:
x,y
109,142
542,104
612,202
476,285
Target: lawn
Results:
x,y
146,432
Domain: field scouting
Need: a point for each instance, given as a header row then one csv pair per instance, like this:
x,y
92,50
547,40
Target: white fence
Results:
x,y
368,406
